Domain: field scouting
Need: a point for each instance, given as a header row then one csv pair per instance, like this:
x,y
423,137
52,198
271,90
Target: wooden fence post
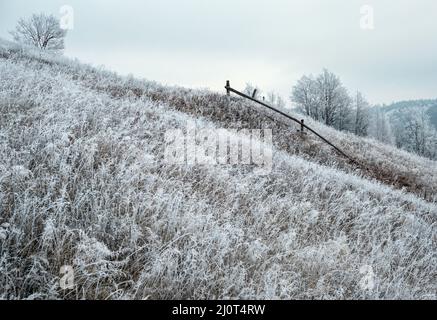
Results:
x,y
228,92
254,93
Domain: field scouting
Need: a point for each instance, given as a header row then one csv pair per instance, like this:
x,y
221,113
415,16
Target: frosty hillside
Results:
x,y
83,184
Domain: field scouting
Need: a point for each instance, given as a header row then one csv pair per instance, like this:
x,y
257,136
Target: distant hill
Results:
x,y
429,104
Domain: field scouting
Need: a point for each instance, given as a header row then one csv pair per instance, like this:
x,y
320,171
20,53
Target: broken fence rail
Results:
x,y
229,89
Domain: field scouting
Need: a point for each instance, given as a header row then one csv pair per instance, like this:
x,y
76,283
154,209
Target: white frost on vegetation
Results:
x,y
82,183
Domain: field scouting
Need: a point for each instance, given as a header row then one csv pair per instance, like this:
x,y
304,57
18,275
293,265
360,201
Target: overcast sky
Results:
x,y
201,43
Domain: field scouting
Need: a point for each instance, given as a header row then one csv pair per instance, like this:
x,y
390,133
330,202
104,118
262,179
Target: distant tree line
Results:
x,y
270,97
325,99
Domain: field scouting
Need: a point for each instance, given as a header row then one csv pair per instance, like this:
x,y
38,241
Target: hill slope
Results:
x,y
82,183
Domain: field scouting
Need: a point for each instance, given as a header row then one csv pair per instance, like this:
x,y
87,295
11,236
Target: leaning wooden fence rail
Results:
x,y
229,89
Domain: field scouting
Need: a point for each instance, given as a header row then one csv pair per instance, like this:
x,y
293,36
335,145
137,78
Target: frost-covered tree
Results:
x,y
324,98
40,30
332,96
280,103
414,132
380,127
343,115
304,95
361,114
275,100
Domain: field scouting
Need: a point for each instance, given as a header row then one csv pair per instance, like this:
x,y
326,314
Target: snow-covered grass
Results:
x,y
82,183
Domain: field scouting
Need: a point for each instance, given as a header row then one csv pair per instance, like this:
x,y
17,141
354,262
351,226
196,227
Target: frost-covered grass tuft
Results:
x,y
82,184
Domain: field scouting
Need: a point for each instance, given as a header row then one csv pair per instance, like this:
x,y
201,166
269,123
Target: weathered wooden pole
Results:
x,y
228,92
254,93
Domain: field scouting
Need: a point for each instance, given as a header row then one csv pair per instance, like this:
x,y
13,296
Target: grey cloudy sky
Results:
x,y
201,43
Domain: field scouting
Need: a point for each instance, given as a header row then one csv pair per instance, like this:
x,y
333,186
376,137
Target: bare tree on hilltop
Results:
x,y
42,31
